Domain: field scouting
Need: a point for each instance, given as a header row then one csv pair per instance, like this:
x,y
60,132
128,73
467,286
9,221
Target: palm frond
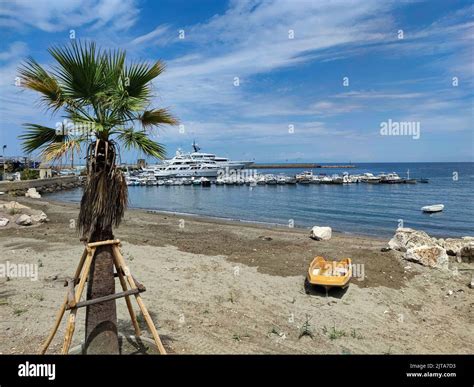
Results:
x,y
157,117
138,77
34,77
37,137
80,70
57,150
140,140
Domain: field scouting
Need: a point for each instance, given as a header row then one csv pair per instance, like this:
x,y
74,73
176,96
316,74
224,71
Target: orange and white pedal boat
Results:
x,y
329,274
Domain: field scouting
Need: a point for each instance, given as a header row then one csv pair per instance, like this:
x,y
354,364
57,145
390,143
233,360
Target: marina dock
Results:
x,y
296,166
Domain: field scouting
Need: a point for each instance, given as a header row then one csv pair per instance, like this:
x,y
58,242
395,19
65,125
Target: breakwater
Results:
x,y
54,184
296,166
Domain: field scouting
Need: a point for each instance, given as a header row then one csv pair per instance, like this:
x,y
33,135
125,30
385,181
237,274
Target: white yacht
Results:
x,y
370,178
222,162
391,178
183,166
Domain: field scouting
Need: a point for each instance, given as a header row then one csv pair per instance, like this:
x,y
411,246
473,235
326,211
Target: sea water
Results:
x,y
369,209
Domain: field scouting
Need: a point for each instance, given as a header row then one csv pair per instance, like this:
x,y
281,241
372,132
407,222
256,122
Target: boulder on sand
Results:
x,y
321,233
12,206
432,256
467,253
32,193
451,245
407,238
4,222
24,220
39,218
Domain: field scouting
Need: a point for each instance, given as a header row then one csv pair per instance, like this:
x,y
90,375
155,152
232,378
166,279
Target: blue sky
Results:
x,y
291,103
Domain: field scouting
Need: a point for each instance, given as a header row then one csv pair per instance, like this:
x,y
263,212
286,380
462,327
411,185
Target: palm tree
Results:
x,y
97,90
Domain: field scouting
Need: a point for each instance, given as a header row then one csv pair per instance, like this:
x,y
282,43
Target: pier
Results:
x,y
296,166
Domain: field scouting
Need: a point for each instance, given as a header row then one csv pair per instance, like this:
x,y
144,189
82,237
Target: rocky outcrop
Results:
x,y
419,247
24,220
40,218
14,214
432,256
12,206
453,246
466,253
22,187
407,238
321,233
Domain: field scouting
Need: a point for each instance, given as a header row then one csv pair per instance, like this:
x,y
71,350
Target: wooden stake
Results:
x,y
81,277
109,297
140,302
103,243
71,323
60,314
133,317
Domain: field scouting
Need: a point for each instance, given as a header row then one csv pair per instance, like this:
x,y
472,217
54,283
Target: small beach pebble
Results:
x,y
450,292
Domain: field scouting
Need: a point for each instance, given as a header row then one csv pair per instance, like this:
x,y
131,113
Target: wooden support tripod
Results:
x,y
72,300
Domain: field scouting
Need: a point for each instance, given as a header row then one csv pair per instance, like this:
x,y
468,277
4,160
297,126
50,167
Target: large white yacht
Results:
x,y
195,164
222,162
182,166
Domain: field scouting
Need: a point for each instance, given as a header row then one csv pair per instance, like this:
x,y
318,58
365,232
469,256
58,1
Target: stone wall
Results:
x,y
19,188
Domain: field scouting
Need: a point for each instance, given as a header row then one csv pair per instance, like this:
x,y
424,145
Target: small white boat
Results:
x,y
433,208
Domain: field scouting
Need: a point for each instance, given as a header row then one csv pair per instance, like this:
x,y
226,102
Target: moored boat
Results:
x,y
433,208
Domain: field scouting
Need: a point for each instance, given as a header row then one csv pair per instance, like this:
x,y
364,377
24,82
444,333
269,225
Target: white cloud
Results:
x,y
158,36
61,15
15,50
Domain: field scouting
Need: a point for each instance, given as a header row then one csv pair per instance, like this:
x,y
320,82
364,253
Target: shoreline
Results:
x,y
255,223
222,220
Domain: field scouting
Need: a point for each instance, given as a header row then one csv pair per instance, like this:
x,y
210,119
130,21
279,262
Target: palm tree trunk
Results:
x,y
102,205
101,319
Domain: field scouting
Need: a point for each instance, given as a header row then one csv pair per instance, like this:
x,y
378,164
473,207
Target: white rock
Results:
x,y
39,218
32,193
453,246
321,233
13,205
24,220
4,222
432,256
407,238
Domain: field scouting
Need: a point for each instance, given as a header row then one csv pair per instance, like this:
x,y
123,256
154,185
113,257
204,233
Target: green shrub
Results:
x,y
29,174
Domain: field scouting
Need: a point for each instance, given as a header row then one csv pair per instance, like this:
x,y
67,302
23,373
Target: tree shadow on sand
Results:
x,y
138,346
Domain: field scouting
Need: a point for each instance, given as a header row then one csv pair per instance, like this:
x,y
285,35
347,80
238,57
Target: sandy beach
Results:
x,y
228,287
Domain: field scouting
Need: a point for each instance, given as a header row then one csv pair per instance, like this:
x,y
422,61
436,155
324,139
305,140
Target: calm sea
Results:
x,y
356,208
